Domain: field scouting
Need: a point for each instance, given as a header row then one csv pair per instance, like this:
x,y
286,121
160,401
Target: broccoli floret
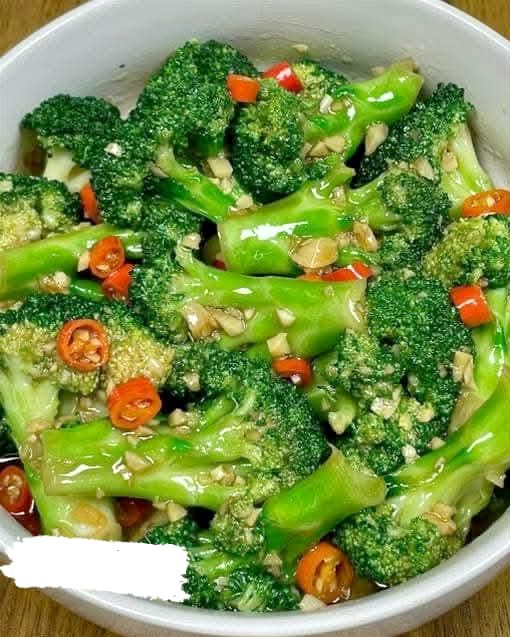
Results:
x,y
431,503
269,152
247,432
239,310
433,139
406,211
33,207
183,532
426,332
33,379
216,580
317,82
74,132
184,109
268,143
472,250
391,390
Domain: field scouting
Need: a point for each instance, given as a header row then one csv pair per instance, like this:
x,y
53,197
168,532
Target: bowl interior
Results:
x,y
127,40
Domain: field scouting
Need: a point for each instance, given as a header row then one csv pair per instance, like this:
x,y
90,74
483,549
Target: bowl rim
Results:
x,y
469,564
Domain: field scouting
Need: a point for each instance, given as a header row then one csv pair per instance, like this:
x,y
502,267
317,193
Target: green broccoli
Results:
x,y
391,389
184,111
33,207
268,144
318,82
277,140
35,384
248,433
472,250
405,210
181,295
217,580
27,268
434,140
481,373
432,502
75,132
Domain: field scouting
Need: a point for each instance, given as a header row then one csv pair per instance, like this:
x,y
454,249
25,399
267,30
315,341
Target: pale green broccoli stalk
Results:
x,y
23,269
431,503
481,376
295,519
406,211
242,310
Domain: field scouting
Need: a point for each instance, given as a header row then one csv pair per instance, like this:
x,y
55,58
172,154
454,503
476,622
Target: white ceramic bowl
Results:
x,y
107,48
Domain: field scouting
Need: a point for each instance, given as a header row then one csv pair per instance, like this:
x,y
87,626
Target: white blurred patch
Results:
x,y
143,570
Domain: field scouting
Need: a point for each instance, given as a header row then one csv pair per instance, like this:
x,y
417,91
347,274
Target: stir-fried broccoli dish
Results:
x,y
265,317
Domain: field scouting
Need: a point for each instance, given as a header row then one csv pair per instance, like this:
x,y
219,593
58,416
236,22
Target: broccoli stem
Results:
x,y
469,177
296,518
25,403
191,189
491,349
99,451
323,397
381,99
481,448
322,310
22,268
87,289
261,242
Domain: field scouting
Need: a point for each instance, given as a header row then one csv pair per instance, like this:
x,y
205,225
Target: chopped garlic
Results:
x,y
410,454
325,104
339,421
192,241
364,236
249,313
384,407
424,168
55,283
309,603
377,71
114,149
315,253
220,167
425,413
319,150
463,368
6,185
286,317
177,418
135,462
441,516
175,512
192,381
376,135
436,443
201,323
83,261
335,143
278,345
449,161
231,320
244,202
